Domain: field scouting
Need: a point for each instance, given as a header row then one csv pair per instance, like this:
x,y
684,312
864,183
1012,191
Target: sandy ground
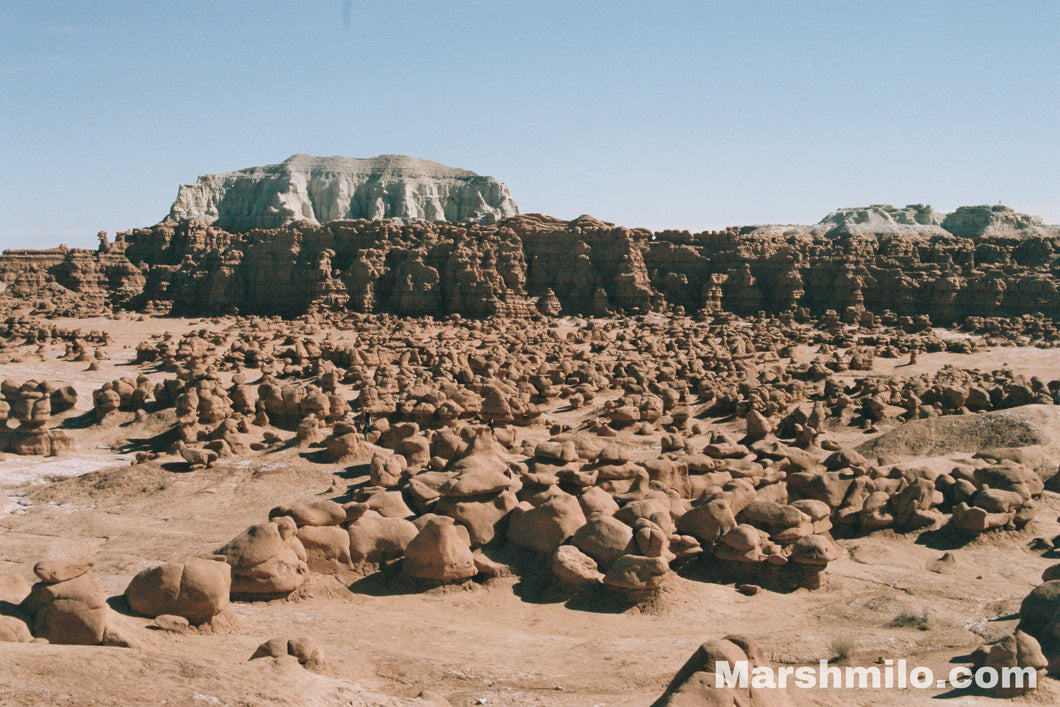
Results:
x,y
502,642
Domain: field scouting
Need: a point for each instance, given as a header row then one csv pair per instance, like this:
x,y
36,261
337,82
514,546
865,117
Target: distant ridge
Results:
x,y
974,222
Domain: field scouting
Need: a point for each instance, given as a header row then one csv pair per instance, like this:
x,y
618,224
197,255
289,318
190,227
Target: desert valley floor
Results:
x,y
514,634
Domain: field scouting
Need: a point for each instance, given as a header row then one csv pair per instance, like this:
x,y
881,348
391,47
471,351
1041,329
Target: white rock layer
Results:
x,y
322,189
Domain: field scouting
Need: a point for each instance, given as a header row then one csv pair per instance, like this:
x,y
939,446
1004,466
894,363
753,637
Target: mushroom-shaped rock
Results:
x,y
594,500
64,398
741,544
61,570
785,524
810,556
482,454
613,453
475,482
814,550
387,502
267,559
556,450
345,444
416,450
844,458
198,458
386,471
196,590
438,553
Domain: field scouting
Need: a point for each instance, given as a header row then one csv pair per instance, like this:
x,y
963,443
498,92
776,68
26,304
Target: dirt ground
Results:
x,y
505,641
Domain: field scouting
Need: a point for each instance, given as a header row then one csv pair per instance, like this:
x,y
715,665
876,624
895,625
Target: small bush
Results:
x,y
912,619
842,647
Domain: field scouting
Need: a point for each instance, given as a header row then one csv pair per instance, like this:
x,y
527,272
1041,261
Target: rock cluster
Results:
x,y
32,404
444,429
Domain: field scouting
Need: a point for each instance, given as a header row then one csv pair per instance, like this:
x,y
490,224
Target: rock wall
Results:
x,y
323,189
533,262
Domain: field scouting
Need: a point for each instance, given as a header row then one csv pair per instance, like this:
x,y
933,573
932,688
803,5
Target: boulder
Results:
x,y
304,649
375,539
547,526
72,611
327,548
315,513
196,590
439,554
604,539
637,573
572,567
267,559
484,517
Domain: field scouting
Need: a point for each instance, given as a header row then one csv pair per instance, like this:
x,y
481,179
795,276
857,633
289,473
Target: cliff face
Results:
x,y
533,262
323,189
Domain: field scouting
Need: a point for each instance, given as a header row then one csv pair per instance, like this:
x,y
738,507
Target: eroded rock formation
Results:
x,y
878,260
323,189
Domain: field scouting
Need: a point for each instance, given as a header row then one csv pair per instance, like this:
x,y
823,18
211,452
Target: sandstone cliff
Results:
x,y
323,189
852,262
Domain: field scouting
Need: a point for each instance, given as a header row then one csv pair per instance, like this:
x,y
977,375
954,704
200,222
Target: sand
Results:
x,y
504,641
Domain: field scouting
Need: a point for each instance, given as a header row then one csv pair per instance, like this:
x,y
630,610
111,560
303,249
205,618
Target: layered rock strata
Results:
x,y
323,189
876,260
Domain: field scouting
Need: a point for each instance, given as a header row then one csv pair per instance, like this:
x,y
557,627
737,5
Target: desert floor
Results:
x,y
505,641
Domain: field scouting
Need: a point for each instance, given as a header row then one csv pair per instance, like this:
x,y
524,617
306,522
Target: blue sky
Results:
x,y
662,114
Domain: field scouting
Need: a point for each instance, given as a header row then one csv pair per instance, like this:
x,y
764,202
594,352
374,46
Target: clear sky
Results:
x,y
662,114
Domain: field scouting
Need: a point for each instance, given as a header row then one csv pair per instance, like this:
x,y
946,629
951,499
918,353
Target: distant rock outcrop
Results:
x,y
323,189
997,221
881,219
972,222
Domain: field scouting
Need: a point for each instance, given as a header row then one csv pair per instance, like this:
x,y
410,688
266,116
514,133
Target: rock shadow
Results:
x,y
948,537
158,443
119,604
772,578
78,422
389,580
